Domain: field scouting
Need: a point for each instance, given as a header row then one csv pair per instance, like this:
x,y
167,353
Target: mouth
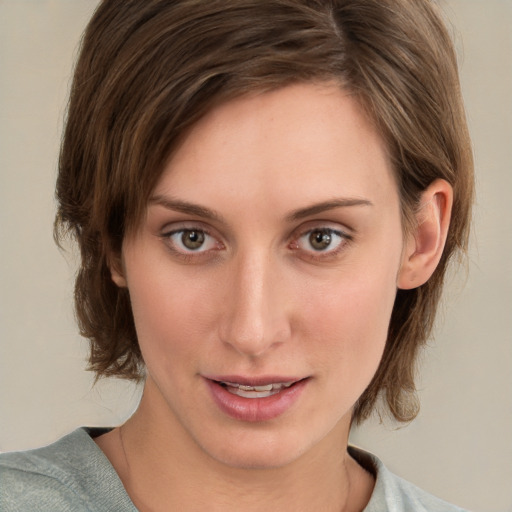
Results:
x,y
255,399
261,391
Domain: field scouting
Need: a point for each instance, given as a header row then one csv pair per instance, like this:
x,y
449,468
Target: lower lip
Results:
x,y
255,409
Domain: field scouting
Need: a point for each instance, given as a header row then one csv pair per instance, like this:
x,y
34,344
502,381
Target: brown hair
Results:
x,y
148,70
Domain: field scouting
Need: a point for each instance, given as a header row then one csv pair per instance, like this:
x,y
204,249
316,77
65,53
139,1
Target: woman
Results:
x,y
266,195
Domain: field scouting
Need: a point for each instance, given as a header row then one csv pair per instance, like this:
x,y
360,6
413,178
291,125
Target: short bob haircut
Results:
x,y
149,69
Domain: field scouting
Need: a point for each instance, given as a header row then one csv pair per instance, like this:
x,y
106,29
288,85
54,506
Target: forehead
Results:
x,y
306,141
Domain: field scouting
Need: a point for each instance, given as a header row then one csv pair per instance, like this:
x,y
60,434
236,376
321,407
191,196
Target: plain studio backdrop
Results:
x,y
460,446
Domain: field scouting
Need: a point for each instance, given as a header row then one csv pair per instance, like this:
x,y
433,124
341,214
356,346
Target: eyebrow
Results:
x,y
201,211
186,207
326,206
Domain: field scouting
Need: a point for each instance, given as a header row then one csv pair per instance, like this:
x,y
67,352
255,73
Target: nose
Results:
x,y
256,313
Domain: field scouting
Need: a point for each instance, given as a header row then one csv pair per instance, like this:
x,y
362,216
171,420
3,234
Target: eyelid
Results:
x,y
188,225
320,224
184,230
172,229
346,235
305,229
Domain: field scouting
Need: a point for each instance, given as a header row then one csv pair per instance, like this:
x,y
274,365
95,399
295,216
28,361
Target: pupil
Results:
x,y
192,239
320,240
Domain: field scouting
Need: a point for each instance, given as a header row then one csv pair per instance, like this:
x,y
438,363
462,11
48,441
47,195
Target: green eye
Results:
x,y
187,241
192,239
320,239
322,242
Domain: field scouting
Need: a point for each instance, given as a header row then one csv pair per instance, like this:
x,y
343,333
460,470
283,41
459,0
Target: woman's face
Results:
x,y
263,277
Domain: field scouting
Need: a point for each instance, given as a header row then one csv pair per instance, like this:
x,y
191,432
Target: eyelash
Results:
x,y
189,255
319,255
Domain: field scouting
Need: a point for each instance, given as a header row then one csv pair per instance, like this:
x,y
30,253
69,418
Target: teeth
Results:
x,y
255,391
268,387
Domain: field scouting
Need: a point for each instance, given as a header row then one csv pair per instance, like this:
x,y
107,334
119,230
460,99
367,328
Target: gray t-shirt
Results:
x,y
73,474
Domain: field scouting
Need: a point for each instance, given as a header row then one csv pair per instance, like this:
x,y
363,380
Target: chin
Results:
x,y
260,449
254,457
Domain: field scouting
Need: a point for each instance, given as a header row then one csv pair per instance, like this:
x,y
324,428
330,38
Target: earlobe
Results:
x,y
117,272
424,246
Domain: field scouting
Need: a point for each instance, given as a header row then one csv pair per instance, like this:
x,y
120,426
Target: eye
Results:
x,y
321,240
192,240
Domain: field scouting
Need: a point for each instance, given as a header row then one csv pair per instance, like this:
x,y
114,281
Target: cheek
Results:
x,y
169,311
350,319
358,314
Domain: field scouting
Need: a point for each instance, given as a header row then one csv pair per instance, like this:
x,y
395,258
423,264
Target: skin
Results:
x,y
258,299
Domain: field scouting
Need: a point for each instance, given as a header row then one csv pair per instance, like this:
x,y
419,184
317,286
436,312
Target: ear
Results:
x,y
424,245
116,266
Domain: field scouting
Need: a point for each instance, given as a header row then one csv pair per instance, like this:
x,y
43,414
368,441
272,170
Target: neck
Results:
x,y
162,468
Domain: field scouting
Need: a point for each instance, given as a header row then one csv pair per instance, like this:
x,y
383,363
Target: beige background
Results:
x,y
459,448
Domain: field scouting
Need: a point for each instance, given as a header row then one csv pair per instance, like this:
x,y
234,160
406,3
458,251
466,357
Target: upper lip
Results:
x,y
262,380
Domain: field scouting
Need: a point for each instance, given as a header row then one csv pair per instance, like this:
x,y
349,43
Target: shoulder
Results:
x,y
71,474
394,494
